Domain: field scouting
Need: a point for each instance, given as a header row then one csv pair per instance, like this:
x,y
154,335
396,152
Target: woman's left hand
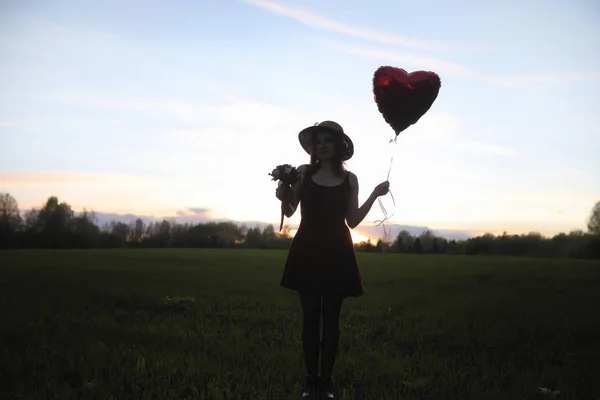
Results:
x,y
382,189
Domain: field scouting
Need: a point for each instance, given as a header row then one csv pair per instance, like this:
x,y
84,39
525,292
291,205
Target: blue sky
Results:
x,y
181,108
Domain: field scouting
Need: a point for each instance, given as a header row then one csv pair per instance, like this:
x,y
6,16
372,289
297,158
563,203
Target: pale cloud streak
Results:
x,y
442,67
192,213
416,61
529,80
321,22
7,124
96,190
52,178
316,20
230,110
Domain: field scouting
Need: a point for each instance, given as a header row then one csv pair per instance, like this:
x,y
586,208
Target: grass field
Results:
x,y
95,325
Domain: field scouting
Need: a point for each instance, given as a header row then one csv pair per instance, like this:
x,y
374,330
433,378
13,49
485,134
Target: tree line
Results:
x,y
56,225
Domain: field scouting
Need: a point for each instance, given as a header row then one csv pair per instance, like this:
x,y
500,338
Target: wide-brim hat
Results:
x,y
306,136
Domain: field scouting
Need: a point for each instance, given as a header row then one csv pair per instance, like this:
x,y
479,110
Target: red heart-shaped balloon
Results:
x,y
403,98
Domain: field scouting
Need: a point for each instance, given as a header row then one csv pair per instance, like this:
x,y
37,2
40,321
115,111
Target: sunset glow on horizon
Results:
x,y
356,237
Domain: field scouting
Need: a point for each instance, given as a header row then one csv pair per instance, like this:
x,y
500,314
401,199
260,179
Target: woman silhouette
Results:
x,y
321,264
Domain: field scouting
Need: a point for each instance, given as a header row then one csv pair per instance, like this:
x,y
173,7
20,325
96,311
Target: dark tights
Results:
x,y
312,311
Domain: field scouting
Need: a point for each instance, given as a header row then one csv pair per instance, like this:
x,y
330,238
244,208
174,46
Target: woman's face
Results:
x,y
324,145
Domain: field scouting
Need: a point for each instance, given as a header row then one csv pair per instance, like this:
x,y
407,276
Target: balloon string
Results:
x,y
386,232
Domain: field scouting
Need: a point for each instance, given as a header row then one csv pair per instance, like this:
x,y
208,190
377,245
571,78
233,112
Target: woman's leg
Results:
x,y
332,306
311,321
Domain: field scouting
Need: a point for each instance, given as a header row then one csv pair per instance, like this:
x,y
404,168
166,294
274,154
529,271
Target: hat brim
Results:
x,y
305,137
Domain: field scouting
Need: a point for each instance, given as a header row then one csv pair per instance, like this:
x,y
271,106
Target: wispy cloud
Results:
x,y
319,21
195,213
7,124
225,112
416,61
441,129
528,80
448,68
316,20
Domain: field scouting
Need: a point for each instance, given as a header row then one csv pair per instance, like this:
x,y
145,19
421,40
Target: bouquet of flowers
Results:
x,y
285,174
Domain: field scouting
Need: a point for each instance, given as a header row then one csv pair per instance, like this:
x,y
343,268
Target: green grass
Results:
x,y
95,325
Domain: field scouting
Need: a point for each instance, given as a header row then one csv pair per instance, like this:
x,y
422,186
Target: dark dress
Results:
x,y
321,258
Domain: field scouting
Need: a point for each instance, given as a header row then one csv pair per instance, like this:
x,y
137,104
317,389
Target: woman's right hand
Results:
x,y
281,191
382,189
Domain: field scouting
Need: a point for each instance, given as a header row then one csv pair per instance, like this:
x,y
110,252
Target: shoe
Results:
x,y
325,389
311,387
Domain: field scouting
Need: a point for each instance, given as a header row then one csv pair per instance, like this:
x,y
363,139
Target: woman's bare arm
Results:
x,y
355,215
293,197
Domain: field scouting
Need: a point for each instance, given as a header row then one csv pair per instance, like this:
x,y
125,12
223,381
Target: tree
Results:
x,y
481,244
435,247
365,246
417,248
403,242
163,236
55,225
9,212
594,221
10,221
426,239
229,234
138,227
86,232
115,234
254,238
381,246
52,223
268,236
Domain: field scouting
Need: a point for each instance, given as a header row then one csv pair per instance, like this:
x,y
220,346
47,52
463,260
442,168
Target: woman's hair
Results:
x,y
337,165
